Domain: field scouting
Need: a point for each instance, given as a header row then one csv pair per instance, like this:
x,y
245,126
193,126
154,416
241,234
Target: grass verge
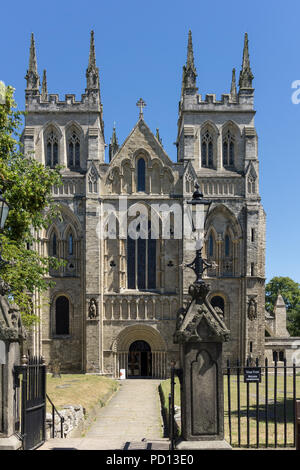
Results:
x,y
239,427
80,389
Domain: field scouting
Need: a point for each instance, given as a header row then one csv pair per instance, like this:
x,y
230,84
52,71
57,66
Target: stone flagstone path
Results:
x,y
131,420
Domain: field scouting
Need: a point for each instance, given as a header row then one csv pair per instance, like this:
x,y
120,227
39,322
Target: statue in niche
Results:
x,y
92,309
252,309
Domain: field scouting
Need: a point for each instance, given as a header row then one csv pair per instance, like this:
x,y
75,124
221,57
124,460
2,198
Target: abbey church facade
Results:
x,y
115,300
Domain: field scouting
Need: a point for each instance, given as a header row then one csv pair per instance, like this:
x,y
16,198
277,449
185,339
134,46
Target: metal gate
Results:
x,y
30,392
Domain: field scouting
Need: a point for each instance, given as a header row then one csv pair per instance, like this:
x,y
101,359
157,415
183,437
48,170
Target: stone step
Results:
x,y
84,443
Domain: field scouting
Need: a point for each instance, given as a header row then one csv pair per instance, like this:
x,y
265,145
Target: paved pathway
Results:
x,y
131,420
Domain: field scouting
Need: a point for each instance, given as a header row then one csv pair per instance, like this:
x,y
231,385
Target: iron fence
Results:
x,y
260,404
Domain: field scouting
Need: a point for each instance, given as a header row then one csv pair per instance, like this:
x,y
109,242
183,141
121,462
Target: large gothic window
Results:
x,y
53,244
51,149
228,150
141,175
74,151
207,150
62,316
141,262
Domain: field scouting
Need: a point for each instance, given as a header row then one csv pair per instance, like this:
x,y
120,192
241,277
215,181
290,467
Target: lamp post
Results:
x,y
200,333
198,214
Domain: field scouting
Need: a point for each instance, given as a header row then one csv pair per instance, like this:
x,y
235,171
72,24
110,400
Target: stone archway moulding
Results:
x,y
139,333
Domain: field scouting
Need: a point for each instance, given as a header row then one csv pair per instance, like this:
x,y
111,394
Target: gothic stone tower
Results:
x,y
218,139
115,301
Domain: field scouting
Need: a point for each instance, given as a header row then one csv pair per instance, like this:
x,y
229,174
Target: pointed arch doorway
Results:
x,y
139,359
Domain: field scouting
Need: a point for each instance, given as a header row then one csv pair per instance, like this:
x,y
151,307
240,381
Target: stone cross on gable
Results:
x,y
141,104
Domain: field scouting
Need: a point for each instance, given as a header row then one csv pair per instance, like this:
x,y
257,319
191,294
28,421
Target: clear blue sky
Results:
x,y
140,51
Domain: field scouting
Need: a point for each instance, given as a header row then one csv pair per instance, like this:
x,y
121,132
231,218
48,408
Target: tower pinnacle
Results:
x,y
113,146
233,92
92,71
246,75
189,70
32,77
44,93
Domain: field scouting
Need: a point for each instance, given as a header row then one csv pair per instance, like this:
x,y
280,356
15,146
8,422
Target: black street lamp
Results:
x,y
200,208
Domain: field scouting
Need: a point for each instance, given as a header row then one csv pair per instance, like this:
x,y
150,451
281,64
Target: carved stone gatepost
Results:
x,y
11,336
200,332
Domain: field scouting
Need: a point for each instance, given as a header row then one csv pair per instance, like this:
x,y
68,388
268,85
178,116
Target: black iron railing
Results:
x,y
54,410
260,404
172,411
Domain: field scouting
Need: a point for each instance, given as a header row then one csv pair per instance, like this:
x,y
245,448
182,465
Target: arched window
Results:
x,y
141,175
218,301
211,245
207,150
141,262
70,244
74,151
62,316
228,150
51,149
251,184
227,245
53,245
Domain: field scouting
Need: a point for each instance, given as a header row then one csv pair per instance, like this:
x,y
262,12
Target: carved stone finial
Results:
x,y
92,71
32,76
44,93
199,291
233,92
113,146
246,75
189,70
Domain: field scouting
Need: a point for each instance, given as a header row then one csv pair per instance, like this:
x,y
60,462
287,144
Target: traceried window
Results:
x,y
51,149
62,316
74,151
92,181
141,175
207,150
228,150
141,262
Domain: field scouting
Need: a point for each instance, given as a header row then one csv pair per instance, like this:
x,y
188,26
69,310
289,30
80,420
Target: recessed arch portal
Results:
x,y
145,339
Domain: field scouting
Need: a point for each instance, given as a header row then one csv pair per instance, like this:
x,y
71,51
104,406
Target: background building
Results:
x,y
116,300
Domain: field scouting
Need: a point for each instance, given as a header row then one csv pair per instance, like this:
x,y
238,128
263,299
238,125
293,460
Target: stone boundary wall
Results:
x,y
74,417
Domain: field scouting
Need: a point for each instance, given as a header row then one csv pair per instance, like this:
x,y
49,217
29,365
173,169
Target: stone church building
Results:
x,y
115,301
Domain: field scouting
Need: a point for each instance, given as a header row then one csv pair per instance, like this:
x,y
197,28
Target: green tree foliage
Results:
x,y
26,186
290,291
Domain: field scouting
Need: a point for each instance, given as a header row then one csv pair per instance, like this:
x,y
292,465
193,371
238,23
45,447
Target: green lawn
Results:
x,y
79,389
252,410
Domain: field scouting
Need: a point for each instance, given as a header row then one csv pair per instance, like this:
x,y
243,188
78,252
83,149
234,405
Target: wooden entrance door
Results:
x,y
140,360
